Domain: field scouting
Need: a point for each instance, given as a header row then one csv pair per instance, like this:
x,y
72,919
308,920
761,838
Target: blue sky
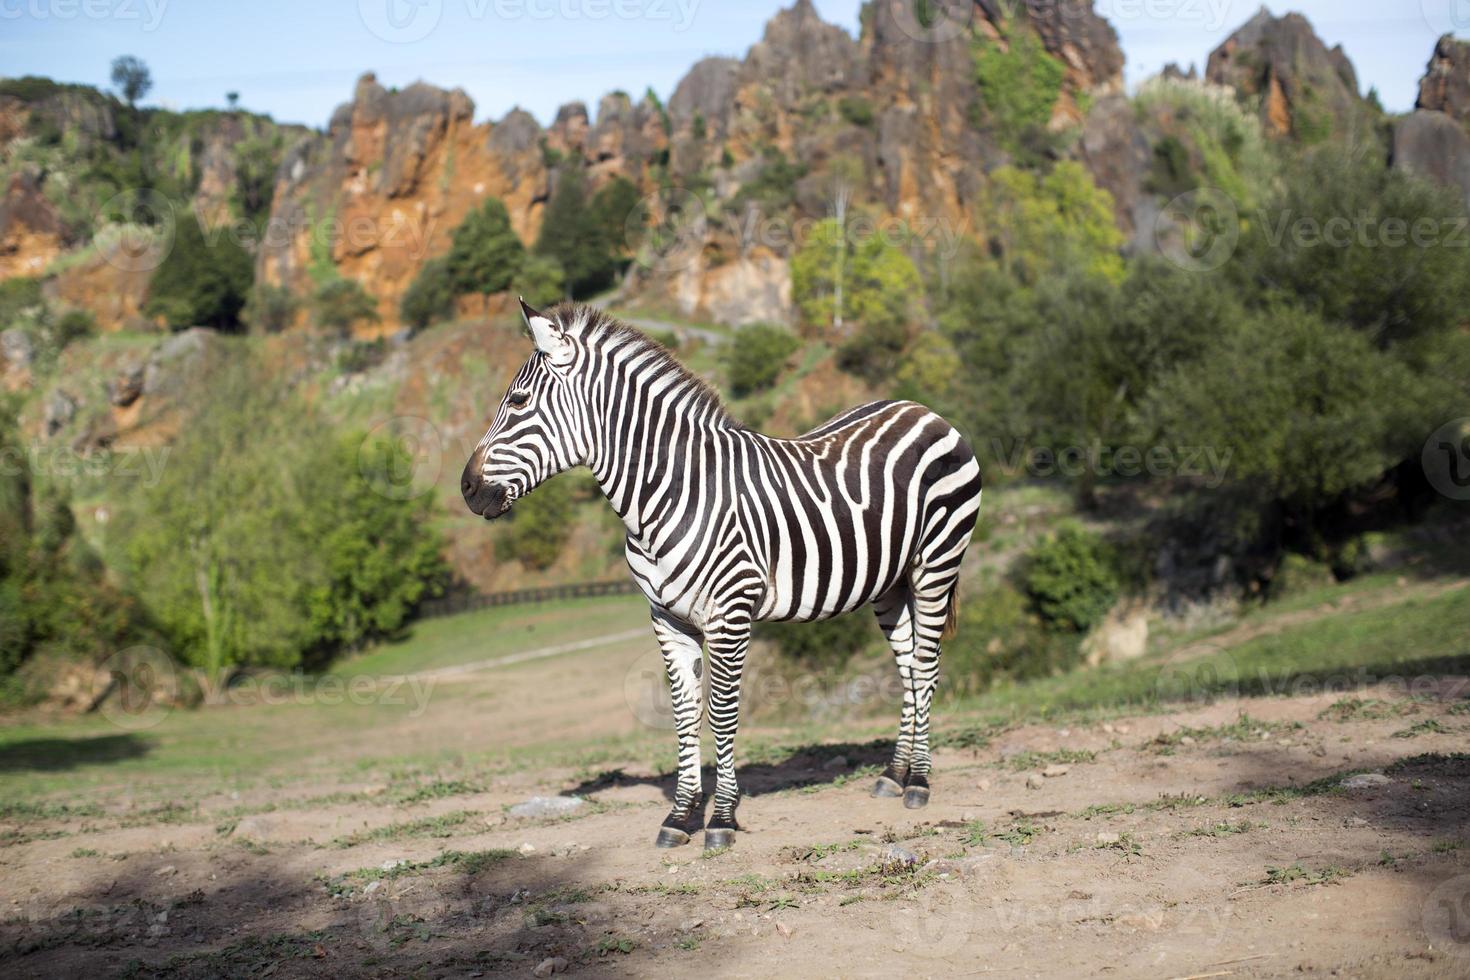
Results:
x,y
297,60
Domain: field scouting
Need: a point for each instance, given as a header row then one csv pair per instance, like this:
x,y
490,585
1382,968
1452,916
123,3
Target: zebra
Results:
x,y
727,527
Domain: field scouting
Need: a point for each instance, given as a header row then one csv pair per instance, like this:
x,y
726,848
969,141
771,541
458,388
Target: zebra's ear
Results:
x,y
550,340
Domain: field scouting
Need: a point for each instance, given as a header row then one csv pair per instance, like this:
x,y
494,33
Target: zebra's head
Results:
x,y
541,427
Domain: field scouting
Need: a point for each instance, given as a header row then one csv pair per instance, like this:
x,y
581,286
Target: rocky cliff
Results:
x,y
1434,140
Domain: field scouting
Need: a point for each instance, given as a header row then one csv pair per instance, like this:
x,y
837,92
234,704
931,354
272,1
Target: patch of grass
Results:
x,y
469,862
1022,761
818,851
1295,873
1366,709
1224,828
1105,810
1429,726
688,943
441,826
85,852
22,811
1126,844
438,790
250,957
615,944
1446,846
1243,729
1019,834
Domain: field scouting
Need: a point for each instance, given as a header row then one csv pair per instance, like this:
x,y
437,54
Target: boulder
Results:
x,y
1432,144
1446,83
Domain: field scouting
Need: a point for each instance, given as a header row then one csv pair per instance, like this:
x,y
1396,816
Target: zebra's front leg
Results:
x,y
727,648
680,644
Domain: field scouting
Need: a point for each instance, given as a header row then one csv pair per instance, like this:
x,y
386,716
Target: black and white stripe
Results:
x,y
726,526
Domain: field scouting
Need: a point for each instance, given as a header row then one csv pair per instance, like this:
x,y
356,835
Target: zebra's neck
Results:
x,y
653,422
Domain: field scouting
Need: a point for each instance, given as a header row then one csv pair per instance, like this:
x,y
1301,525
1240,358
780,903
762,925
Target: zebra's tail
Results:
x,y
952,613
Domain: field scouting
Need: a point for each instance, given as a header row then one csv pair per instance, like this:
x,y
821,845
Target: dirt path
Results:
x,y
1195,844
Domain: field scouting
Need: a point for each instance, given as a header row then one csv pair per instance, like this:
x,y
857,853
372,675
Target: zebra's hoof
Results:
x,y
887,787
718,838
916,797
671,837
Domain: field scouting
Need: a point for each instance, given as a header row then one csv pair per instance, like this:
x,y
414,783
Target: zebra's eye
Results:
x,y
518,398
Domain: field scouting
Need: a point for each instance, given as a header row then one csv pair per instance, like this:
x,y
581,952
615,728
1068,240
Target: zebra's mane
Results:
x,y
595,327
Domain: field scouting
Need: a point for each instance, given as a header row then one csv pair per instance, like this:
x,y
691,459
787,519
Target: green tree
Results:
x,y
575,235
611,206
486,255
879,285
339,304
132,78
755,357
200,283
430,297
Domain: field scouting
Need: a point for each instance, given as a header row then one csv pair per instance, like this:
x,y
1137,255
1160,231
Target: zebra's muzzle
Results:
x,y
489,500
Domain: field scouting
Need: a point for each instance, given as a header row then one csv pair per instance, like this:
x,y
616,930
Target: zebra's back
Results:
x,y
847,510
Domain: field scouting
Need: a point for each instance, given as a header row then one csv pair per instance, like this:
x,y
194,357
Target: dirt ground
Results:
x,y
1194,844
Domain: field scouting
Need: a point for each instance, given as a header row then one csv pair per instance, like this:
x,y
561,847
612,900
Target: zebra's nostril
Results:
x,y
466,487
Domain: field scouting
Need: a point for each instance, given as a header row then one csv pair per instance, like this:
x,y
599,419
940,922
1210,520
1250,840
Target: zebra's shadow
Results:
x,y
795,768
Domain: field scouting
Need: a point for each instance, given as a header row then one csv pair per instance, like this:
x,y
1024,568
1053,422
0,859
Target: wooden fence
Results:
x,y
453,605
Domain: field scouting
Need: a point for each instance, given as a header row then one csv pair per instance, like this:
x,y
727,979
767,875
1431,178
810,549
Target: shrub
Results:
x,y
1071,579
541,281
270,308
200,283
338,304
999,638
755,357
826,645
430,297
538,526
856,110
880,286
72,326
1019,84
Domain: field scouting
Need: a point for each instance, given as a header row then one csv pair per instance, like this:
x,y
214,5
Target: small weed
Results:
x,y
1224,829
1446,846
689,943
84,852
1126,844
1295,872
1429,726
1022,761
440,826
1366,709
616,944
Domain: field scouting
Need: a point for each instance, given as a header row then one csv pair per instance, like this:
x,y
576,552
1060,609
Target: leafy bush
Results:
x,y
773,189
1019,84
826,645
339,304
856,110
541,281
268,540
538,526
755,357
430,297
270,308
200,283
1071,579
999,637
73,325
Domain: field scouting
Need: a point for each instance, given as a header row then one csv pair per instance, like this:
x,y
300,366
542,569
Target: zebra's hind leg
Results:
x,y
681,645
895,617
933,593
